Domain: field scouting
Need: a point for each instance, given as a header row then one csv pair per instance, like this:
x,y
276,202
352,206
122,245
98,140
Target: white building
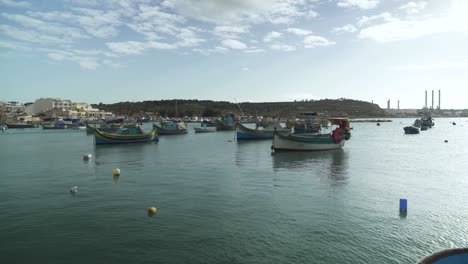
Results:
x,y
12,108
46,104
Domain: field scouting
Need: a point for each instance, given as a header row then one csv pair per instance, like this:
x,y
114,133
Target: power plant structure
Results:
x,y
432,105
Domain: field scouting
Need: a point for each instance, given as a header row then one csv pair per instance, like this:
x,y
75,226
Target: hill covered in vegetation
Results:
x,y
338,107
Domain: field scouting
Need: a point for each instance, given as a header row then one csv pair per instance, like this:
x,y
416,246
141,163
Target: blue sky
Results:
x,y
245,50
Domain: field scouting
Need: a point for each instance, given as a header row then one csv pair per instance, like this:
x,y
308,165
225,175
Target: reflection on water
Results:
x,y
132,155
334,163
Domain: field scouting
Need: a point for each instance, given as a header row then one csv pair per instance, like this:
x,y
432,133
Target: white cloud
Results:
x,y
230,32
85,62
233,44
317,41
397,29
11,3
217,49
31,36
100,24
58,30
245,11
346,28
298,31
136,47
413,7
271,36
254,50
245,69
282,47
14,45
364,20
363,4
188,38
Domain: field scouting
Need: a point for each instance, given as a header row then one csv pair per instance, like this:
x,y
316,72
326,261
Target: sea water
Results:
x,y
223,201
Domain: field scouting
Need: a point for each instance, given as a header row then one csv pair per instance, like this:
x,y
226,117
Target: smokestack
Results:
x,y
432,107
388,104
425,104
398,104
439,100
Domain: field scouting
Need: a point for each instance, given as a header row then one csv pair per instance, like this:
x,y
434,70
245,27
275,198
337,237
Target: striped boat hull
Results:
x,y
105,138
304,143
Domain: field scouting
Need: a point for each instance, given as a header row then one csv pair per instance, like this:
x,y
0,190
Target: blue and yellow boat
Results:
x,y
125,135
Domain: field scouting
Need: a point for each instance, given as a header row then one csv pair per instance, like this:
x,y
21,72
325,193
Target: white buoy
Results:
x,y
116,172
87,156
74,189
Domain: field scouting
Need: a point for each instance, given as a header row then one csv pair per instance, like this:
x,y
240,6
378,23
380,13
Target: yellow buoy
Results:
x,y
116,172
152,211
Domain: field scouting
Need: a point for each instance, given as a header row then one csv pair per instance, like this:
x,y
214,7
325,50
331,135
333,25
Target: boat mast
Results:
x,y
175,107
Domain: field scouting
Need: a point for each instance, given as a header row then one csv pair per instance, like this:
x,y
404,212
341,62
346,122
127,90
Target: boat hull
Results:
x,y
20,125
411,130
222,126
304,143
245,133
106,138
165,131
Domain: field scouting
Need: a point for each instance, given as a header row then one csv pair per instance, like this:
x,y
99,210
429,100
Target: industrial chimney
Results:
x,y
425,102
439,100
398,104
432,107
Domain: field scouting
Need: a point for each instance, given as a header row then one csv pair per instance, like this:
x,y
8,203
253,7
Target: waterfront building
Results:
x,y
45,104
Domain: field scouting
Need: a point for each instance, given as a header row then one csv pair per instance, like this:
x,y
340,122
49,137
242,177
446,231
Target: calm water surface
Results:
x,y
220,201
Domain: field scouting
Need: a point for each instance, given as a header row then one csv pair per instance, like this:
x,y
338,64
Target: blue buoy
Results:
x,y
403,205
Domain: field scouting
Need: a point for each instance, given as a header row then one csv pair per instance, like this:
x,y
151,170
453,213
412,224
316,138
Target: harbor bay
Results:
x,y
222,200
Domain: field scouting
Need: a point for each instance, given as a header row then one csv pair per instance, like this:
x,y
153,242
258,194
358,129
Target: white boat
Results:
x,y
308,142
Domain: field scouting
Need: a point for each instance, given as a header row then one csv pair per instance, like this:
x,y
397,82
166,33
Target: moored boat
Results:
x,y
411,130
170,128
243,132
124,136
55,126
90,129
20,125
448,256
226,123
308,142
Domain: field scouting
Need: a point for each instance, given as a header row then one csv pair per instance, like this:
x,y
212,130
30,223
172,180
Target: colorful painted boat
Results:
x,y
90,129
203,129
243,132
308,142
226,123
449,256
125,136
170,128
55,126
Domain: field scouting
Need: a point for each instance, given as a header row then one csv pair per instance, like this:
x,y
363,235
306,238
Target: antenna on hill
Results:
x,y
238,105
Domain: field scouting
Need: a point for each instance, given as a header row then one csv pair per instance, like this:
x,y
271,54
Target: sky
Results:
x,y
235,50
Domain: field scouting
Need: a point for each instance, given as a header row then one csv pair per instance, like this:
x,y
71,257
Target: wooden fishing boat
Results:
x,y
170,128
203,129
20,125
308,142
124,136
90,129
411,130
226,123
448,256
243,132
